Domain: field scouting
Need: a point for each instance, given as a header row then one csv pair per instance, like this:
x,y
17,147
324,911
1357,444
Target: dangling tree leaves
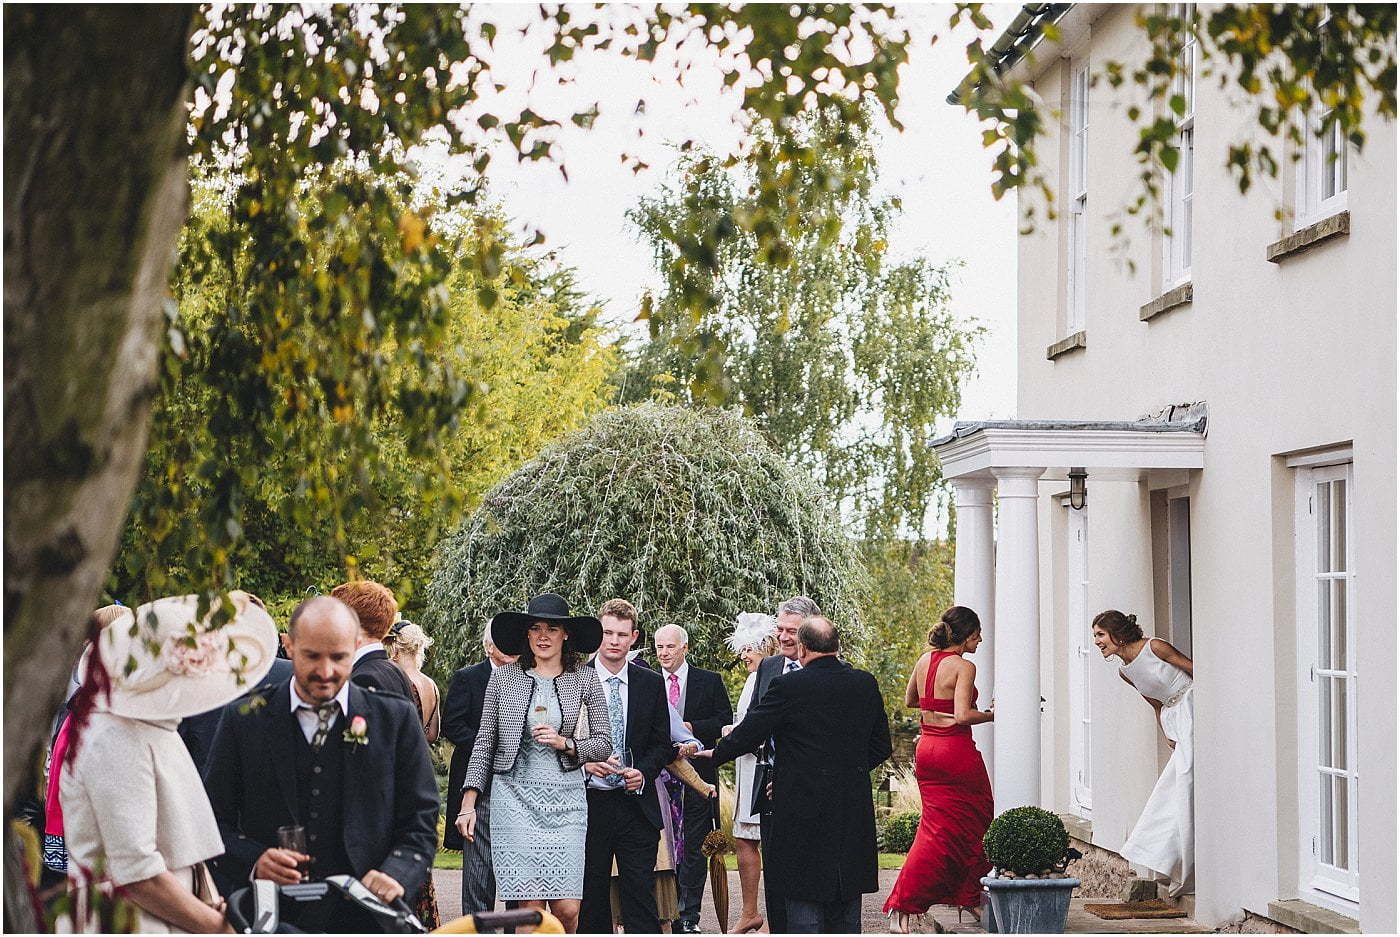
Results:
x,y
690,515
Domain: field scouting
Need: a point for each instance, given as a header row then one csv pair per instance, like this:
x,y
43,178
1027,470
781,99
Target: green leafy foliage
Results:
x,y
844,356
910,584
897,831
327,348
690,515
538,367
1026,841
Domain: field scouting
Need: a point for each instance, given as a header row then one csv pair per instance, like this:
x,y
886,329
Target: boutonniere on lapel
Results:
x,y
255,702
358,733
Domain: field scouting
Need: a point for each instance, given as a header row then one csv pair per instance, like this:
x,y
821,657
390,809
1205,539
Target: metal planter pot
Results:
x,y
1028,906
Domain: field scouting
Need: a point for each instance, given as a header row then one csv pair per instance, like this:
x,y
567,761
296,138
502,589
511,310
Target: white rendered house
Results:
x,y
1232,406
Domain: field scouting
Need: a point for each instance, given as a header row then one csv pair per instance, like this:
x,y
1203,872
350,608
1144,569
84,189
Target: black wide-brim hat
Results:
x,y
509,630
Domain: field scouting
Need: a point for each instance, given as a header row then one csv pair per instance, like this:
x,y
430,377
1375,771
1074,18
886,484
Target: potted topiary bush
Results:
x,y
1028,889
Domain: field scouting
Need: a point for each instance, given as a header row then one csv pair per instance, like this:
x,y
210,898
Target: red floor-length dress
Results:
x,y
946,860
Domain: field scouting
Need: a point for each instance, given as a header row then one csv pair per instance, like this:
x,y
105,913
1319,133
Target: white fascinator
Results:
x,y
751,629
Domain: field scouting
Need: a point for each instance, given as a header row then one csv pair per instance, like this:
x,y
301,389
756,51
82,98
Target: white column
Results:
x,y
974,585
1016,782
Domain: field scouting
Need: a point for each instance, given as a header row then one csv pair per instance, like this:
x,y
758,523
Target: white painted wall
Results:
x,y
1287,356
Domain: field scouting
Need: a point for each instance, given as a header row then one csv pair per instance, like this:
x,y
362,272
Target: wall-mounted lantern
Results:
x,y
1078,490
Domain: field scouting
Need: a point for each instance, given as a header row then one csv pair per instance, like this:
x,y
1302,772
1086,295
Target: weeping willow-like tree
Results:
x,y
690,515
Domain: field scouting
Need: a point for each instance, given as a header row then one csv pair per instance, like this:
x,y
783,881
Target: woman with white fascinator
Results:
x,y
754,638
135,813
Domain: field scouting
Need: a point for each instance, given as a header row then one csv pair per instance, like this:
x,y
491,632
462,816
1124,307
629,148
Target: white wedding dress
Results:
x,y
1164,839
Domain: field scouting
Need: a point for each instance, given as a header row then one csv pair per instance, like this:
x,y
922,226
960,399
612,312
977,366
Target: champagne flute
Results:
x,y
624,758
539,716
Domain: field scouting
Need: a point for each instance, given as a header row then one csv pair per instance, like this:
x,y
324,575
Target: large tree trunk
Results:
x,y
96,189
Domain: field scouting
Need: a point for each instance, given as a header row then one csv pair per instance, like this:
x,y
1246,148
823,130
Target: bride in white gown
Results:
x,y
1163,839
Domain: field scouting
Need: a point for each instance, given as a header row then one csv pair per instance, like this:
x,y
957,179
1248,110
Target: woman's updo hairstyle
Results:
x,y
957,625
408,639
1123,629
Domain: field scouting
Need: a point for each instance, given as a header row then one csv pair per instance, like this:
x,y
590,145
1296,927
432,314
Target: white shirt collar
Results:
x,y
342,698
367,649
606,674
681,672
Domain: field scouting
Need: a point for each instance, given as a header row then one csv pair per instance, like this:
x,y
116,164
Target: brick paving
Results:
x,y
449,892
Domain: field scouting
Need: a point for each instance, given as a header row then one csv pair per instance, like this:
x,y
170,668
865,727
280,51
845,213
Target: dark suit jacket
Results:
x,y
769,669
391,801
707,709
461,716
648,733
198,731
376,670
828,721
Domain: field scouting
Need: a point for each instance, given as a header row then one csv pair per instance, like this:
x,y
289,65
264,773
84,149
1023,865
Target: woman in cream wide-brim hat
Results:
x,y
135,812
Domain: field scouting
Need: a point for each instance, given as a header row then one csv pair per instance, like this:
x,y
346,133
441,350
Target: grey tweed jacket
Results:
x,y
508,697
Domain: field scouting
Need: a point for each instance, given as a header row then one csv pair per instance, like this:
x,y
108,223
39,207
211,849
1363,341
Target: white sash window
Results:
x,y
1077,293
1179,186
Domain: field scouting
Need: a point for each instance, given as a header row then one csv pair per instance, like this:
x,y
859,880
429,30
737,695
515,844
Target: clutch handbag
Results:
x,y
581,727
203,885
762,777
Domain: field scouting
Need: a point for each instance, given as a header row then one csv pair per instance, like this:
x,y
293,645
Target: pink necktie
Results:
x,y
674,693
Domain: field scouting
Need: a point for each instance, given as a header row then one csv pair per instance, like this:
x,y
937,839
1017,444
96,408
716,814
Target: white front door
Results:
x,y
1080,644
1327,689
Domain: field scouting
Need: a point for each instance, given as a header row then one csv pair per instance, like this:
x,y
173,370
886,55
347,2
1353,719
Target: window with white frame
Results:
x,y
1327,717
1322,172
1076,293
1180,184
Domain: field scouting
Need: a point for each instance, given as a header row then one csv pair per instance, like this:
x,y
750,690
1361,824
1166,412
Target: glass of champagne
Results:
x,y
624,758
539,715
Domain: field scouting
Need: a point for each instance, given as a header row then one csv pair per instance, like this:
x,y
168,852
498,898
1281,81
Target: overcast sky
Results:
x,y
936,166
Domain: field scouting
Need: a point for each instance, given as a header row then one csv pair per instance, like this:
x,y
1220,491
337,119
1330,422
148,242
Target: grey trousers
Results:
x,y
823,917
478,875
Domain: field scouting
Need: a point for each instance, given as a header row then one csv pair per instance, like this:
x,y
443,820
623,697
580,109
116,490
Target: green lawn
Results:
x,y
453,860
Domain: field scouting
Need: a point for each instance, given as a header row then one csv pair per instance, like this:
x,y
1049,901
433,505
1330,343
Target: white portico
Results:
x,y
997,572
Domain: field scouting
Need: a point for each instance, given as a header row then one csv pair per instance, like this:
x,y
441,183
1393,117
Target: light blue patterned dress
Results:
x,y
539,815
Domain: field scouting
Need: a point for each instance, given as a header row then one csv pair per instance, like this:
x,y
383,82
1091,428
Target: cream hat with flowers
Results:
x,y
751,629
168,664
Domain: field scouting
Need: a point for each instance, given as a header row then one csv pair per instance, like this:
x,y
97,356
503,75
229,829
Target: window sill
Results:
x,y
1066,345
1171,299
1078,827
1311,919
1338,225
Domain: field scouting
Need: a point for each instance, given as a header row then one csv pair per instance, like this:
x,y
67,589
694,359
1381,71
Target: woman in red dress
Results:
x,y
946,860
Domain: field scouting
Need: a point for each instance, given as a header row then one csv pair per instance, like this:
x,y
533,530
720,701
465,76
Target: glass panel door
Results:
x,y
1328,708
1081,659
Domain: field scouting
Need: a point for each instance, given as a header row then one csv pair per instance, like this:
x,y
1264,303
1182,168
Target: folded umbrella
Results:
x,y
717,844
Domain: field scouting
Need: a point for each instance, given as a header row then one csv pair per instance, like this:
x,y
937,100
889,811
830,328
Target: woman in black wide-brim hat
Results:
x,y
544,716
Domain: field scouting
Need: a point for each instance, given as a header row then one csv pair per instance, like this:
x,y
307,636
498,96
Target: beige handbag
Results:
x,y
203,886
581,727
